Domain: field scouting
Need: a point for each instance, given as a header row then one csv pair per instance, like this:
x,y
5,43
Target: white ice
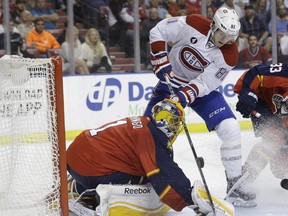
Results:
x,y
271,198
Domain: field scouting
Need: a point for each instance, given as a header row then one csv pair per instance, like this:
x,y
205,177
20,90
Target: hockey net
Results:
x,y
32,137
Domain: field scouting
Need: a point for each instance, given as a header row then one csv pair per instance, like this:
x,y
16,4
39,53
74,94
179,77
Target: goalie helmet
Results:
x,y
227,21
169,116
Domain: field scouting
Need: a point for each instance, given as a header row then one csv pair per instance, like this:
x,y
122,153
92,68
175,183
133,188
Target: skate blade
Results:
x,y
209,214
79,209
240,203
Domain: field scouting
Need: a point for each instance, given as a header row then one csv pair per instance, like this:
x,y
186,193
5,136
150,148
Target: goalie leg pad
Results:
x,y
136,200
201,200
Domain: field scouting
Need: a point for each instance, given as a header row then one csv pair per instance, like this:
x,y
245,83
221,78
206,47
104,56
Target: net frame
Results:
x,y
57,121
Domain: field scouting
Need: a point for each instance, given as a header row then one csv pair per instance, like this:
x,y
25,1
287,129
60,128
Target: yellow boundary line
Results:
x,y
193,128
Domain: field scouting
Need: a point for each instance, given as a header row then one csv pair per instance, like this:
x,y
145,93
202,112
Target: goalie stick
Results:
x,y
199,160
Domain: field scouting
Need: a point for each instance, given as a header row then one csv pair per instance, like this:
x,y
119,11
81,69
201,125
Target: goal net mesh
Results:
x,y
29,156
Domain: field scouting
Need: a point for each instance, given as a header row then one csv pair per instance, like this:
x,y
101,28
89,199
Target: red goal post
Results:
x,y
33,176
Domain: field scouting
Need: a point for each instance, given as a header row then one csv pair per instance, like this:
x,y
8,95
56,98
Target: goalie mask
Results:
x,y
225,26
169,116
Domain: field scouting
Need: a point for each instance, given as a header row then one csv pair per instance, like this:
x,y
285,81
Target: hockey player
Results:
x,y
264,89
136,151
201,55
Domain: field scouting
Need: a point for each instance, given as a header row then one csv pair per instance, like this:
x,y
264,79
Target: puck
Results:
x,y
200,162
284,184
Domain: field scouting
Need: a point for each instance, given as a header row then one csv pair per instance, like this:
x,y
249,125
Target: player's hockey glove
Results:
x,y
161,65
185,95
247,101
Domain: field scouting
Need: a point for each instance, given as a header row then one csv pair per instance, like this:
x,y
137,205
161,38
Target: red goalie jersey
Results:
x,y
133,146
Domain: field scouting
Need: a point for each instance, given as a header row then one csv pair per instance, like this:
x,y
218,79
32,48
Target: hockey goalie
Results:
x,y
126,167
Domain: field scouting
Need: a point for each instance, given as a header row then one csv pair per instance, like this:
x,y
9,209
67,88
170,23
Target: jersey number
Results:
x,y
94,132
274,68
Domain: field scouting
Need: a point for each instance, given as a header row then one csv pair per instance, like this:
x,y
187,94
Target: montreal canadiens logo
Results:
x,y
192,59
193,40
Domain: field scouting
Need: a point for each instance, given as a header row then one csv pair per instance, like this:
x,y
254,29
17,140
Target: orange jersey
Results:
x,y
269,82
134,146
42,41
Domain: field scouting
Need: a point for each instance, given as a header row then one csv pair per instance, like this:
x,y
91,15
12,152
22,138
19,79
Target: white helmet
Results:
x,y
227,21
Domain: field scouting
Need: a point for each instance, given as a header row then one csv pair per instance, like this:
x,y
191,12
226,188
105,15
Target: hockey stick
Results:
x,y
199,160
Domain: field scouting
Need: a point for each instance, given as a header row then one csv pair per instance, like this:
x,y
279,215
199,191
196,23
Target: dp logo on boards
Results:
x,y
103,94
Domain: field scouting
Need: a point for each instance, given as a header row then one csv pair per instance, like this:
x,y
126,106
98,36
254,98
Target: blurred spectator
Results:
x,y
78,13
284,45
18,46
80,64
210,4
41,39
174,6
210,12
128,18
117,31
281,20
278,3
1,12
27,24
262,11
62,37
251,24
162,12
49,16
281,28
217,3
193,6
254,54
94,52
241,43
29,4
17,10
148,24
11,6
60,5
231,5
99,14
182,13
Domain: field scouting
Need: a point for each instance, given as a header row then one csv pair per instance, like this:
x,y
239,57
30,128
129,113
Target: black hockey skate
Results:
x,y
79,203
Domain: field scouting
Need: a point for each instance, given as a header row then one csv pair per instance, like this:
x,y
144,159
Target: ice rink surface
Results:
x,y
271,198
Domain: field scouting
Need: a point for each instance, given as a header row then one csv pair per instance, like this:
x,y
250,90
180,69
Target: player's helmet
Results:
x,y
227,21
169,116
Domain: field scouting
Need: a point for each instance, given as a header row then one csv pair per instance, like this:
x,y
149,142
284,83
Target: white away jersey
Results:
x,y
194,58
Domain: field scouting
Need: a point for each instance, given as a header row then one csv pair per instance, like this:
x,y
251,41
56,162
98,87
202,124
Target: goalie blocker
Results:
x,y
141,200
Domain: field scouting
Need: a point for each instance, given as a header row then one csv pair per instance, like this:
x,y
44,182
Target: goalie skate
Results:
x,y
80,205
80,208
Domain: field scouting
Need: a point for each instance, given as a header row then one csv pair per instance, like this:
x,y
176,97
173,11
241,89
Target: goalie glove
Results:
x,y
202,204
161,65
247,101
185,95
